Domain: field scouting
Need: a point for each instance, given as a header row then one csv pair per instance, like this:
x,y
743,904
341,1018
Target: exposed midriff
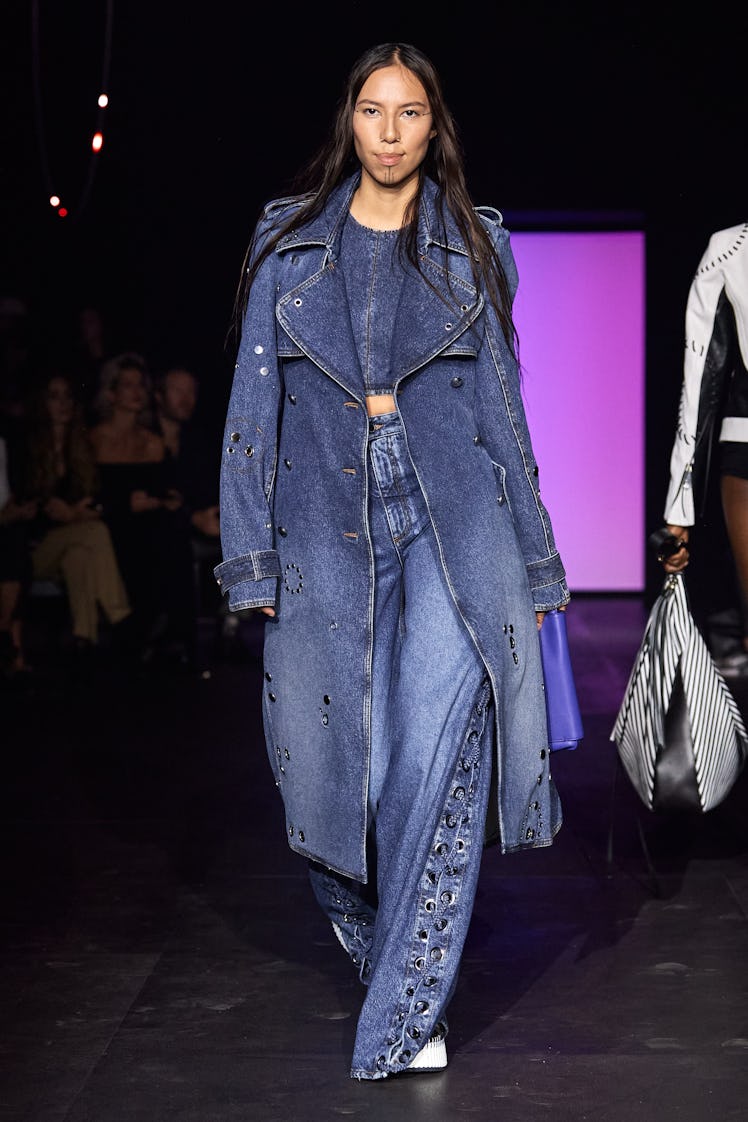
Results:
x,y
379,403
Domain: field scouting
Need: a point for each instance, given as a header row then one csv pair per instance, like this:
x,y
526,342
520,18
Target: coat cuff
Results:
x,y
253,594
548,583
251,580
551,596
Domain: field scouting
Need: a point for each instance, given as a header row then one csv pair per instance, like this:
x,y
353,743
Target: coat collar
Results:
x,y
326,229
431,316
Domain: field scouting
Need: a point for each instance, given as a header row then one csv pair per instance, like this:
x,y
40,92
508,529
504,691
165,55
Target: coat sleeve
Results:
x,y
703,375
513,446
249,571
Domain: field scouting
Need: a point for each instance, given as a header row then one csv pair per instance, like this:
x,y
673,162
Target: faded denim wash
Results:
x,y
428,783
295,519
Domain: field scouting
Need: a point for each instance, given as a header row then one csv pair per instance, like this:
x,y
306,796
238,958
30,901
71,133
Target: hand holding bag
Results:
x,y
562,705
679,733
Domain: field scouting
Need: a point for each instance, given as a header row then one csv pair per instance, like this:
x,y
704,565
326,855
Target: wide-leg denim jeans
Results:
x,y
428,784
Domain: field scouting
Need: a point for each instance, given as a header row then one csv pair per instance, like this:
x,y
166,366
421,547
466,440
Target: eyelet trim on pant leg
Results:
x,y
356,936
417,1013
352,920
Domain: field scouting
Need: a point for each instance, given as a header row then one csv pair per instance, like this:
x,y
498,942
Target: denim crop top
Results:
x,y
373,275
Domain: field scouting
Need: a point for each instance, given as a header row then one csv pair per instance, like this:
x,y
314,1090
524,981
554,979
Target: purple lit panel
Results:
x,y
579,312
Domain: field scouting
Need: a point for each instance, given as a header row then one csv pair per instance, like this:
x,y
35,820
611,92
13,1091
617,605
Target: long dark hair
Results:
x,y
40,474
336,159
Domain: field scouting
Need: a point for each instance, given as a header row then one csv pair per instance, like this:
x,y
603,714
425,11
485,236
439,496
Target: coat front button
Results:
x,y
282,531
476,440
456,382
292,398
288,464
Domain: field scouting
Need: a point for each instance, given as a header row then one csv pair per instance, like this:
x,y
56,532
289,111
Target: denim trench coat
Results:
x,y
294,518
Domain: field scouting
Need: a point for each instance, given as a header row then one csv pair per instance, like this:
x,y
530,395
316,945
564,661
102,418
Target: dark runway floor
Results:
x,y
163,957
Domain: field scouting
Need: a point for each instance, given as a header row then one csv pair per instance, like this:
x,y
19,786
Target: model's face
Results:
x,y
129,392
59,399
392,126
179,396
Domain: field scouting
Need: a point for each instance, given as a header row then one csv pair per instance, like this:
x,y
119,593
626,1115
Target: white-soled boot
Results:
x,y
433,1055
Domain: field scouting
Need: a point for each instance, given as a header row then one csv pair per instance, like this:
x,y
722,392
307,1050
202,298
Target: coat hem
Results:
x,y
542,844
323,861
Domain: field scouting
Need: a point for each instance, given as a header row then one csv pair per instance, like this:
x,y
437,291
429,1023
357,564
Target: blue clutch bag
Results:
x,y
562,705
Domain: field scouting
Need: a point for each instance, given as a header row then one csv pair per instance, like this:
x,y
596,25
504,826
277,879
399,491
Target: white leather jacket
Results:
x,y
715,382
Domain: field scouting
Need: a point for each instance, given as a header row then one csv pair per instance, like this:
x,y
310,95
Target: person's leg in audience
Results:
x,y
82,554
15,571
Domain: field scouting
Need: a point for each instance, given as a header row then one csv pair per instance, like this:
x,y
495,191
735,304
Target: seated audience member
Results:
x,y
89,353
176,397
69,541
144,508
15,569
192,457
16,361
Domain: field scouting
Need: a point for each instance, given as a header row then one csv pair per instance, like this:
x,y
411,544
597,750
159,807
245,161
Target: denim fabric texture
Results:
x,y
373,278
295,519
428,781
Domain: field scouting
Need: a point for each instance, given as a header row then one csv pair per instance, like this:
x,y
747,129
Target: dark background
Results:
x,y
572,116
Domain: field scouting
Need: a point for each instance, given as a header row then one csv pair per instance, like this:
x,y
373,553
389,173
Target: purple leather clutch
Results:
x,y
562,705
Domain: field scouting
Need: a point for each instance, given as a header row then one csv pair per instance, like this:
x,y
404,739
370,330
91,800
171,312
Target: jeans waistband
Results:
x,y
384,425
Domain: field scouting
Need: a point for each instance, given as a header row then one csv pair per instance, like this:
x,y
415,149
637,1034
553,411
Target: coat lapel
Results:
x,y
428,322
434,309
304,313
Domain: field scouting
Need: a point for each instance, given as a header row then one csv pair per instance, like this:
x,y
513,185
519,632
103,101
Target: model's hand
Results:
x,y
677,562
267,611
540,616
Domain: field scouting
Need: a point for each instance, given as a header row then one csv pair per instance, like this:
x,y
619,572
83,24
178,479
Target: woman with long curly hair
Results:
x,y
70,540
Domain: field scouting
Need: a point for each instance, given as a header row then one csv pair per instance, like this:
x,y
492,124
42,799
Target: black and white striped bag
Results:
x,y
679,733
